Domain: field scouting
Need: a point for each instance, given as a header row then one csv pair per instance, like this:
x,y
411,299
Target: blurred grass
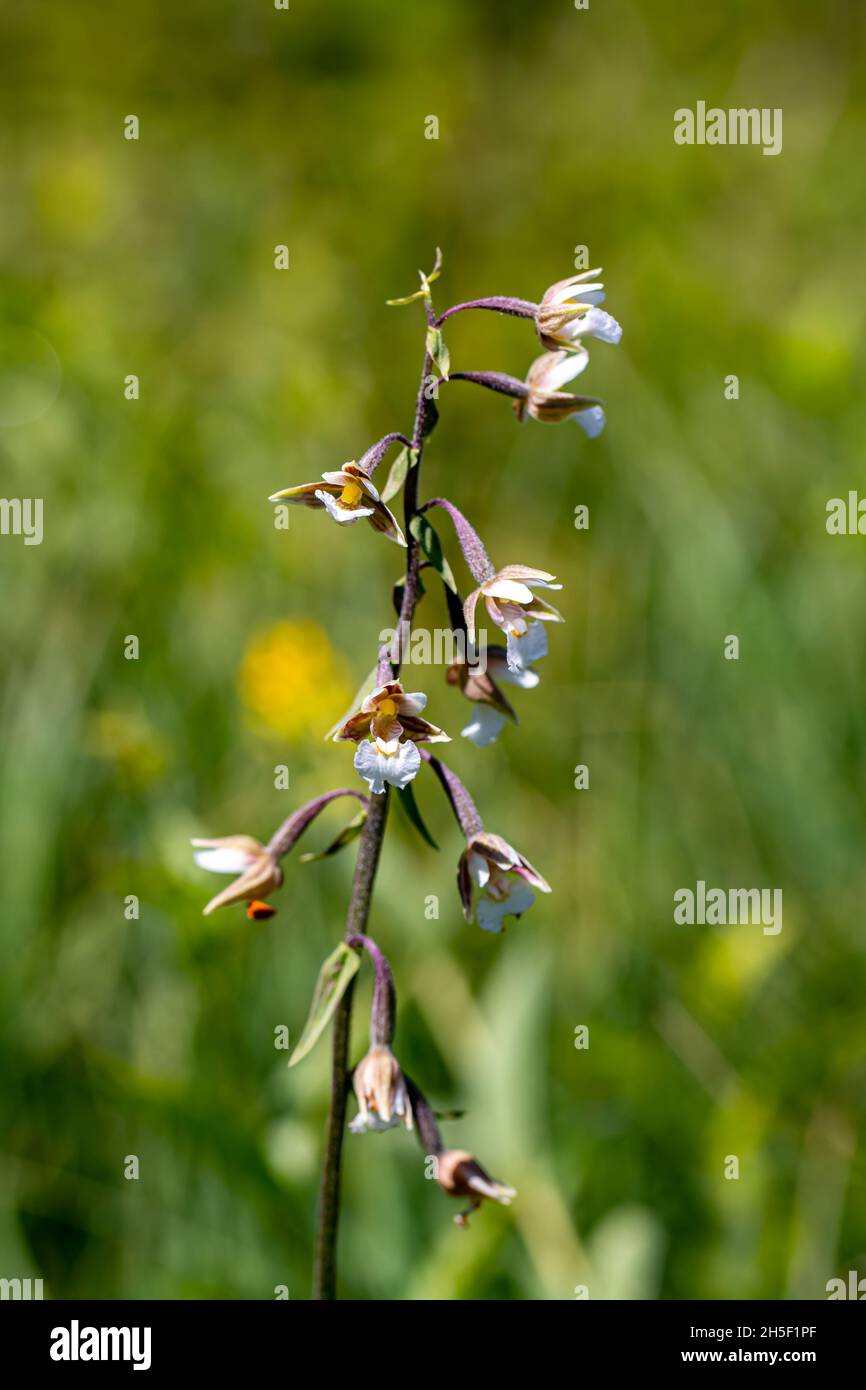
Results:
x,y
155,1036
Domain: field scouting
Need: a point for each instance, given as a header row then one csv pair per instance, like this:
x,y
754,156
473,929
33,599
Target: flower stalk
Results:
x,y
494,880
369,850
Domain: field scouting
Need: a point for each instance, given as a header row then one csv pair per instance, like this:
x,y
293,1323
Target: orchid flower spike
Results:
x,y
568,311
258,872
380,1088
547,402
495,881
387,728
514,608
347,495
461,1175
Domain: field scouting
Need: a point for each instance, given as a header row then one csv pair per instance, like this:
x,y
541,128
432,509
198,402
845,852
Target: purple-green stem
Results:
x,y
384,1008
369,849
498,303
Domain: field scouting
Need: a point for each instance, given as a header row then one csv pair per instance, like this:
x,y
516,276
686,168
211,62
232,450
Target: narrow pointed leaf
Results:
x,y
397,475
430,544
407,298
438,351
410,806
431,416
335,977
345,837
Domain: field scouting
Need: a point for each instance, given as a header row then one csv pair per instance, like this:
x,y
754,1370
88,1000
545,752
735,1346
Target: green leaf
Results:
x,y
399,468
429,542
431,417
408,298
410,806
335,977
437,267
349,833
438,351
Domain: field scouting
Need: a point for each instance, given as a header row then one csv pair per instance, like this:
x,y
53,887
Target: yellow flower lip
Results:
x,y
351,495
388,708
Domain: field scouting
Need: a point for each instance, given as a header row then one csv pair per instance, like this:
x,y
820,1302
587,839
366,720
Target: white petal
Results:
x,y
403,765
585,275
532,646
368,762
508,589
571,333
485,727
509,617
414,703
341,514
590,294
575,286
597,324
542,584
388,747
525,678
382,762
372,1123
496,1191
490,913
222,861
591,421
570,365
479,869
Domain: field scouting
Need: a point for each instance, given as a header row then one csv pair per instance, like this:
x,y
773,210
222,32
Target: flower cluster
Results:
x,y
387,725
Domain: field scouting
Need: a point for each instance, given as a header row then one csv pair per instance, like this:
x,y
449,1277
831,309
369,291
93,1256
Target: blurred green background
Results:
x,y
155,1036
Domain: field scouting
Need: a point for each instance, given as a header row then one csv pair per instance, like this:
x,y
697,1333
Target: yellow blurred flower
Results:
x,y
292,680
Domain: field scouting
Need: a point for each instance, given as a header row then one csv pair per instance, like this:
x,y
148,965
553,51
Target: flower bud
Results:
x,y
461,1175
383,1100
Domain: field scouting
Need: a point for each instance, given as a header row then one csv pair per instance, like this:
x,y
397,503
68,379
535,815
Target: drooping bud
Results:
x,y
380,1088
460,1175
